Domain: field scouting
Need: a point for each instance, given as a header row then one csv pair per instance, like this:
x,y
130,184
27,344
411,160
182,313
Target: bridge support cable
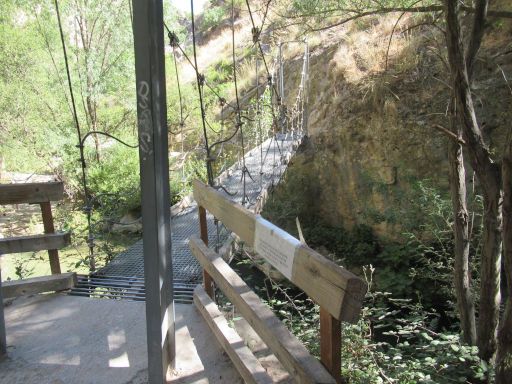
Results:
x,y
200,84
87,200
155,188
245,171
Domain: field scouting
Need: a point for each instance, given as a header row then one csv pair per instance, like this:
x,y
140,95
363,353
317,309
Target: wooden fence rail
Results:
x,y
42,194
338,292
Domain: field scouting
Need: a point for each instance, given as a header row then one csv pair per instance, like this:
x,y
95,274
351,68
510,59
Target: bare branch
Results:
x,y
422,9
449,134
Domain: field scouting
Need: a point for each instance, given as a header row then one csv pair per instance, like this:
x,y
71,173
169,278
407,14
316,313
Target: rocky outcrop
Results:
x,y
373,135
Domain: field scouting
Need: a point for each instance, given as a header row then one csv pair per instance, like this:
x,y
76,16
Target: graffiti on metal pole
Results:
x,y
145,120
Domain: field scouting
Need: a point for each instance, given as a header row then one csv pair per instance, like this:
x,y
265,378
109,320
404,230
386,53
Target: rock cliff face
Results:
x,y
372,129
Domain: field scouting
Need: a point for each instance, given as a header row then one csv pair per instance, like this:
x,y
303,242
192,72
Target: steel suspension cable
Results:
x,y
87,208
245,171
200,83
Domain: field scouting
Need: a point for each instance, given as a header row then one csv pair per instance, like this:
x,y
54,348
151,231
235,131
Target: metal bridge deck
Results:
x,y
123,277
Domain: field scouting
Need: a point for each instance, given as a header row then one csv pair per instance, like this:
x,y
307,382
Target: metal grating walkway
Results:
x,y
123,277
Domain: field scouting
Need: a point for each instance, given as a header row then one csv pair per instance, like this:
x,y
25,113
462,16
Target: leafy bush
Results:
x,y
395,341
114,181
213,16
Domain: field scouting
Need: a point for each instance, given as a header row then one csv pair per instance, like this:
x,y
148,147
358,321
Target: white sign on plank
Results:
x,y
275,245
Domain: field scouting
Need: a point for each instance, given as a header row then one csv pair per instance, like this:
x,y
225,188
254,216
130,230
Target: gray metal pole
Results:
x,y
154,178
3,335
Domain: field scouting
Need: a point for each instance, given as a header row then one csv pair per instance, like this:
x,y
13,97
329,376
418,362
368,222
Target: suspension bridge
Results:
x,y
235,197
247,182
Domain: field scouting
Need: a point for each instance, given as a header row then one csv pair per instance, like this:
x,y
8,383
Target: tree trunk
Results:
x,y
462,280
488,174
504,357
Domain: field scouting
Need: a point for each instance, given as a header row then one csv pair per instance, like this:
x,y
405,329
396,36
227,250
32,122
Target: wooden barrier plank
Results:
x,y
33,285
334,288
290,352
245,362
31,192
235,217
34,243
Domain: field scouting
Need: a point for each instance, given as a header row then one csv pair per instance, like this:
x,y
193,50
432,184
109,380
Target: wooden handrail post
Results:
x,y
53,254
203,229
330,344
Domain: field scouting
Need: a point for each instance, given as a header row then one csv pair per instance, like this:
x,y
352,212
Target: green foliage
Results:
x,y
116,175
395,340
418,266
213,16
221,72
398,341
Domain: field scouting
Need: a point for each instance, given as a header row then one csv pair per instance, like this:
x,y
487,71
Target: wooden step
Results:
x,y
287,348
245,362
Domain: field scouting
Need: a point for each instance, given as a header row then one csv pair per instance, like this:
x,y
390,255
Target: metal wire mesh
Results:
x,y
186,270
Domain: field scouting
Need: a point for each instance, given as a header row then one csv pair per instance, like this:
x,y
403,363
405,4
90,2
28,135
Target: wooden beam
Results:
x,y
330,344
334,288
235,217
33,285
288,349
31,193
53,254
243,359
34,243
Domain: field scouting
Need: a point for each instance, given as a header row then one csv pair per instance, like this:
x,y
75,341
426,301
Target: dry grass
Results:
x,y
219,47
363,52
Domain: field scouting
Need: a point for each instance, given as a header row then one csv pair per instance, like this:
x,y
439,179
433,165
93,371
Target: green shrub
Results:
x,y
213,16
397,341
114,181
394,341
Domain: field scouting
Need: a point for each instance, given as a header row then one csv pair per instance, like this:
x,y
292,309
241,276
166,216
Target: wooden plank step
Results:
x,y
245,362
31,192
33,285
288,349
34,243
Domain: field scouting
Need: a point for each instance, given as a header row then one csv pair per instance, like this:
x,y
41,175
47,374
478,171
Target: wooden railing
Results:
x,y
338,292
42,194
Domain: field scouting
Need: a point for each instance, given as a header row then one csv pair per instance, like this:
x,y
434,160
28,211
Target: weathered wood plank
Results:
x,y
334,288
290,352
53,254
330,344
235,217
31,192
244,361
34,243
33,285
